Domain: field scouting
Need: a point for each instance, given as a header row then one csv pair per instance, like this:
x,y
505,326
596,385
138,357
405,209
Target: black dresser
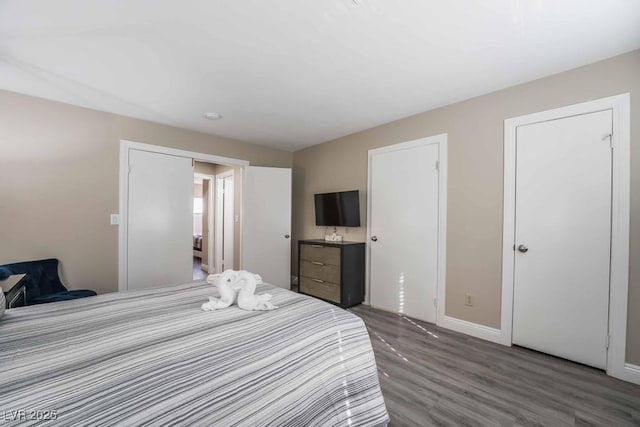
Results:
x,y
332,271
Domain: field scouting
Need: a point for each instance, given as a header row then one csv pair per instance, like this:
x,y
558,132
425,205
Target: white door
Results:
x,y
266,229
226,224
159,220
404,206
563,237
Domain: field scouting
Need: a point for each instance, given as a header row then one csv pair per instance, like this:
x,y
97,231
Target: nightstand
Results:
x,y
15,290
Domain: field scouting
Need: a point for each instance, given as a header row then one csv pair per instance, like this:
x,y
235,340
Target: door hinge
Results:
x,y
437,165
608,341
435,302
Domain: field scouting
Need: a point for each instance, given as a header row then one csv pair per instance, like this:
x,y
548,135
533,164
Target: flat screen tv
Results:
x,y
340,209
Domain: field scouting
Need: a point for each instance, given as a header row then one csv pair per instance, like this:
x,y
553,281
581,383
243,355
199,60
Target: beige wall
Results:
x,y
197,190
205,168
474,216
59,182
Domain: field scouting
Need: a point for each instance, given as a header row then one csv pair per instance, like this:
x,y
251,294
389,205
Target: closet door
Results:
x,y
160,220
563,237
404,207
266,233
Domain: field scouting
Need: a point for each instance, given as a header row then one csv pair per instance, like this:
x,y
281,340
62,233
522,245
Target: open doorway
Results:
x,y
200,228
216,217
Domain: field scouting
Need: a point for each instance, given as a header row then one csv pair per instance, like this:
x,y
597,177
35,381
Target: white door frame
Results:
x,y
125,147
441,141
620,211
210,216
220,216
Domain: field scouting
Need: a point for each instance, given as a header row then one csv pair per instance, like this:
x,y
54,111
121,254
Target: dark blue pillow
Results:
x,y
4,273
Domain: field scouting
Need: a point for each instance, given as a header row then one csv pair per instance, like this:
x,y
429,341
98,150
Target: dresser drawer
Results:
x,y
318,270
319,253
324,290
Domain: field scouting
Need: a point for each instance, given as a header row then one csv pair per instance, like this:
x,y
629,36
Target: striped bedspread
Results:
x,y
154,358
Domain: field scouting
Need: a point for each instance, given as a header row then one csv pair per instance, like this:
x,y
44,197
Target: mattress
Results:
x,y
153,357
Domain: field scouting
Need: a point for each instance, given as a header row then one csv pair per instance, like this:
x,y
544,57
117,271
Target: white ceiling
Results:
x,y
293,73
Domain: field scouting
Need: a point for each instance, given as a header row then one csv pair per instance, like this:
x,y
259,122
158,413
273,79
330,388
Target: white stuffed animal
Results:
x,y
213,279
246,298
237,285
224,282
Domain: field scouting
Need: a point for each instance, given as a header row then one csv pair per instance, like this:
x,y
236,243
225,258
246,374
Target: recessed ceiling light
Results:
x,y
212,116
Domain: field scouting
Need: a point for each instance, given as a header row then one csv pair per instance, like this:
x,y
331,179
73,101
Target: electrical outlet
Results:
x,y
468,300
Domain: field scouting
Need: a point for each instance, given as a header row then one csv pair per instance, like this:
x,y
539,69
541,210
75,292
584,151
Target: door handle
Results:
x,y
286,236
523,248
374,238
317,263
318,280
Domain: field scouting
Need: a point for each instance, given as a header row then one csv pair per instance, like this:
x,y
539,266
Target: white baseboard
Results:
x,y
470,328
631,373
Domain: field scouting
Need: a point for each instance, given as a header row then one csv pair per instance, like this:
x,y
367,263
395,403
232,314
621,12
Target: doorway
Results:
x,y
200,227
566,235
204,219
406,227
221,217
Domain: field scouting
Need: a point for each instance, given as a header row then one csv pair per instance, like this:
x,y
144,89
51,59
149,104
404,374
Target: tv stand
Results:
x,y
332,271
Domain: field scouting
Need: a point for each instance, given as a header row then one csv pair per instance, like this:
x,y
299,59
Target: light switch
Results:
x,y
115,219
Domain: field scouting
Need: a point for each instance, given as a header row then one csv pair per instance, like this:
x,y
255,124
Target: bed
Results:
x,y
197,242
197,245
153,357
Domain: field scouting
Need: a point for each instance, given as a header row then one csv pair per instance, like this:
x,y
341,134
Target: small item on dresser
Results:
x,y
237,286
333,237
13,288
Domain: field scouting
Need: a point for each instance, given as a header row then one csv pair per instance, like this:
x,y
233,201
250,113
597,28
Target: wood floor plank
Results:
x,y
436,377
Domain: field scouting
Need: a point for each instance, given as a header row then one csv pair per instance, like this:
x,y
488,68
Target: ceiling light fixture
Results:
x,y
212,116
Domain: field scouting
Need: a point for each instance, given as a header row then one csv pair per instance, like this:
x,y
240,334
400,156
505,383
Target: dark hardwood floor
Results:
x,y
433,376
